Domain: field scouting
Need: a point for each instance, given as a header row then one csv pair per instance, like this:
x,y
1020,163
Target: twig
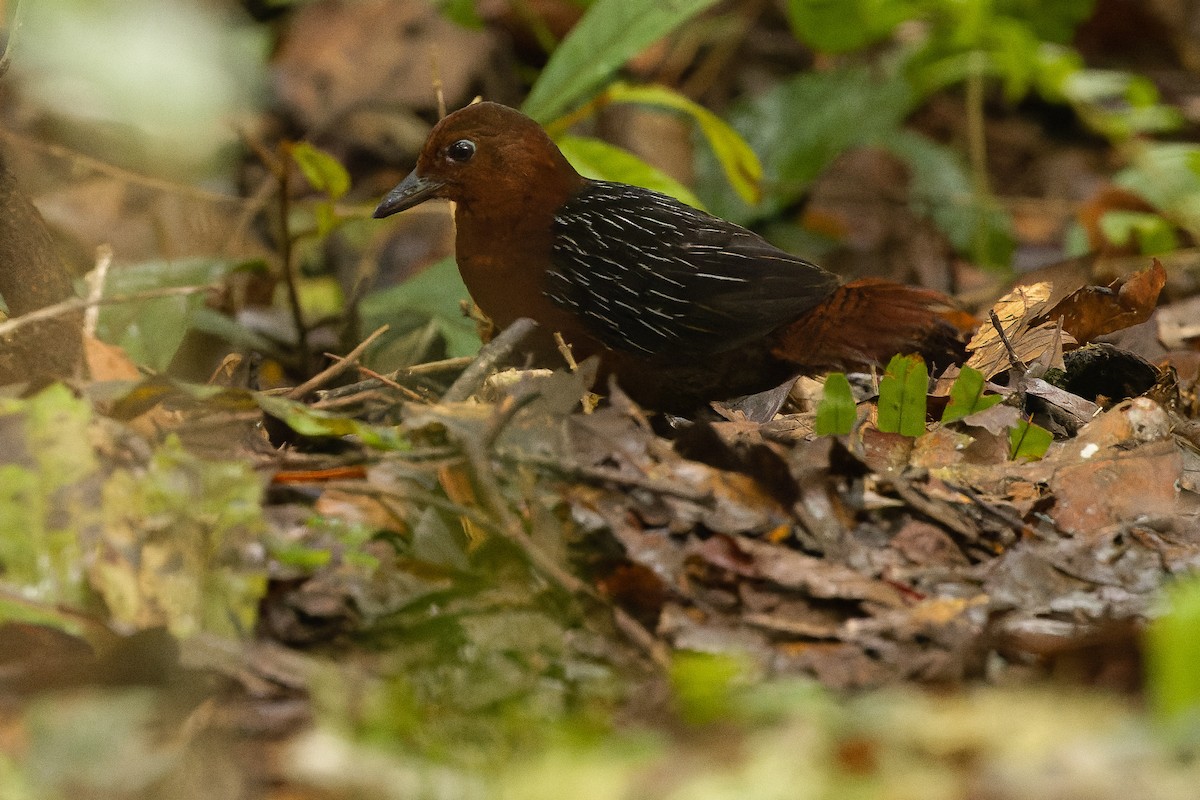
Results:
x,y
565,350
1016,363
337,367
77,303
95,283
489,356
431,368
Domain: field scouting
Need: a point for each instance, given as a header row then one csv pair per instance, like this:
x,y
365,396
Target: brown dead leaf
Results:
x,y
1093,311
107,362
1017,312
1117,486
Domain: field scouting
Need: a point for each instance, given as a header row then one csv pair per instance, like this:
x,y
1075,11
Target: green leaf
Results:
x,y
1027,441
1164,174
966,396
177,543
941,189
603,161
322,171
308,421
1055,22
610,33
798,128
435,293
462,12
704,685
150,331
1173,651
839,26
740,163
837,410
1152,234
902,396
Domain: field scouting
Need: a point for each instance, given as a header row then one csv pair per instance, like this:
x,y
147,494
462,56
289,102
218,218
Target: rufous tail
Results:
x,y
866,322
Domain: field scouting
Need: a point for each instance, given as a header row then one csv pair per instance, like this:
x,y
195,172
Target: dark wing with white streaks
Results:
x,y
658,277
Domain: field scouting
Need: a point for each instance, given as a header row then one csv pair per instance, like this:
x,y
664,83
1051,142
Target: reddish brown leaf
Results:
x,y
1096,310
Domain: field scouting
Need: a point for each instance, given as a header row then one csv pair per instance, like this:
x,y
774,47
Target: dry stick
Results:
x,y
511,529
489,356
336,368
77,303
95,283
431,368
1015,362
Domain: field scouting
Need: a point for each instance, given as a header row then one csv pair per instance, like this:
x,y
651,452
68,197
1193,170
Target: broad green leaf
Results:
x,y
837,410
798,128
1173,651
1027,441
740,163
322,171
308,421
150,331
1165,174
610,33
902,396
603,161
1150,232
839,26
1055,22
435,293
966,396
941,189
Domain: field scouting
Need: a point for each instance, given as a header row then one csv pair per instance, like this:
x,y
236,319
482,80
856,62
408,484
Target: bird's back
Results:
x,y
650,275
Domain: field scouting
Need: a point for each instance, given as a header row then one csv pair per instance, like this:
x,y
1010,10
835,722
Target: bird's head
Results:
x,y
487,158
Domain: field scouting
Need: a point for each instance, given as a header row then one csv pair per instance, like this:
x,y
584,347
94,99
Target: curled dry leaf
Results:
x,y
1017,311
1093,311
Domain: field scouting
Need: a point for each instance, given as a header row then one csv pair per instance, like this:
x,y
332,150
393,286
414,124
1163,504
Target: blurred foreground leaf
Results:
x,y
174,544
1173,651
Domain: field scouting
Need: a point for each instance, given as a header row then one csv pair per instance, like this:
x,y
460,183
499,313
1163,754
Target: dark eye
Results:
x,y
462,150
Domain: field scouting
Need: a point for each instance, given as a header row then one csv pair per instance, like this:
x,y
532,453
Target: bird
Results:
x,y
682,307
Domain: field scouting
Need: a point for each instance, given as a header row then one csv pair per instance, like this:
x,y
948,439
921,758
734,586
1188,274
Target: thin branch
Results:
x,y
337,368
489,356
74,304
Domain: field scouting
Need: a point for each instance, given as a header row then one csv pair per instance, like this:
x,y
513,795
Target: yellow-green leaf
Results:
x,y
1028,441
966,396
323,172
603,161
836,411
740,163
